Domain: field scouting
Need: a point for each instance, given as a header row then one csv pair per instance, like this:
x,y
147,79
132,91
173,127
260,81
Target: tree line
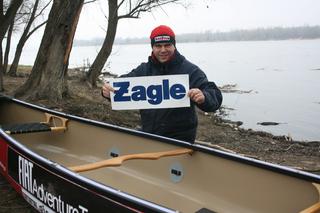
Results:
x,y
260,34
47,79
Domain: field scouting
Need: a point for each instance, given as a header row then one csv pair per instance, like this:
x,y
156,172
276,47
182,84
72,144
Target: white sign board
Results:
x,y
150,92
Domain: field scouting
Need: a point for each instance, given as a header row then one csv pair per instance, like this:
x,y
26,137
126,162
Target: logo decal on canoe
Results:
x,y
37,195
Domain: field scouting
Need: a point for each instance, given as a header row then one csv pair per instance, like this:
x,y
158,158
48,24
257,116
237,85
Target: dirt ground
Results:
x,y
213,130
10,201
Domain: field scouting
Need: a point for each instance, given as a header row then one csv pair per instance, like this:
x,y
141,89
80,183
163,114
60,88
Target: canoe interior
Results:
x,y
208,181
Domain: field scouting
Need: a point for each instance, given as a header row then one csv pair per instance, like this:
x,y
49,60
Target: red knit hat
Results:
x,y
162,34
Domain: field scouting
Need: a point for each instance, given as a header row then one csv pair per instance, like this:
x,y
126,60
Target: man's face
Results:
x,y
163,51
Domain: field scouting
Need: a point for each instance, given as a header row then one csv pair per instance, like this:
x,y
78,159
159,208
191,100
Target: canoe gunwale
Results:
x,y
196,147
260,164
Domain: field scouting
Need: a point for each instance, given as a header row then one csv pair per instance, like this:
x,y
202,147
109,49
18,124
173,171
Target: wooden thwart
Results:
x,y
52,123
117,161
312,209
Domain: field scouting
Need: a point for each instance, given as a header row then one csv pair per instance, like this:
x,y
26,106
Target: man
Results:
x,y
178,123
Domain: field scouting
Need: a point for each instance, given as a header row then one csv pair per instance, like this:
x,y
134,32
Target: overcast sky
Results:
x,y
203,15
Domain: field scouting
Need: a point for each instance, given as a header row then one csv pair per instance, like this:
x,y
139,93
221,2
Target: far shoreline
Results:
x,y
259,34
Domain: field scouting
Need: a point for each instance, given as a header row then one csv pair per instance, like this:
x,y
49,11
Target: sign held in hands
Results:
x,y
150,92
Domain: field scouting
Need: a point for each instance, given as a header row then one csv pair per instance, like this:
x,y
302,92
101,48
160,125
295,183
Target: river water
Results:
x,y
282,79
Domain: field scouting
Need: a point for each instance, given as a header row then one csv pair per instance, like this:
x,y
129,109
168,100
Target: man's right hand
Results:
x,y
106,89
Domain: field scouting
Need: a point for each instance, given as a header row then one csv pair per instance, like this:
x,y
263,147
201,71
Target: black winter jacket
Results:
x,y
178,123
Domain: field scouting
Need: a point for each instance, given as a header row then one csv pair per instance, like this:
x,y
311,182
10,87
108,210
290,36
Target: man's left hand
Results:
x,y
196,95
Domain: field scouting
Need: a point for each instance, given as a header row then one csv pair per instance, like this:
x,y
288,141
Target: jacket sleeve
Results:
x,y
213,96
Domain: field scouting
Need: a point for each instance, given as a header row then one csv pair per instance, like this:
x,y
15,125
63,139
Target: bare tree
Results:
x,y
133,9
7,49
7,17
13,27
5,21
48,76
32,15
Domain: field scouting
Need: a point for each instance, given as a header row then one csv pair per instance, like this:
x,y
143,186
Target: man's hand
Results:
x,y
196,95
106,89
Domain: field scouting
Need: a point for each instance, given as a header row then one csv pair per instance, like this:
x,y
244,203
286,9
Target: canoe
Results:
x,y
64,163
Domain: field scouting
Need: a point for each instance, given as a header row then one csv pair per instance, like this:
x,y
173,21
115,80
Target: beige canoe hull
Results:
x,y
206,179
